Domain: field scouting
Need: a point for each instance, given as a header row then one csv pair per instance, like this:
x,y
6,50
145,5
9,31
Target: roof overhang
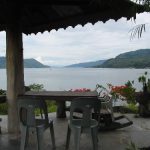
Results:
x,y
44,15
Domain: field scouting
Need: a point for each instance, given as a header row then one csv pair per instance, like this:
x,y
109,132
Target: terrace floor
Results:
x,y
139,133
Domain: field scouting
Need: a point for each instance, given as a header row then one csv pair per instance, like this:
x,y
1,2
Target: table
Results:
x,y
60,97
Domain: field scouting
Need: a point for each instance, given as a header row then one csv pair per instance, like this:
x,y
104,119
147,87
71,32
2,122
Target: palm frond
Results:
x,y
137,30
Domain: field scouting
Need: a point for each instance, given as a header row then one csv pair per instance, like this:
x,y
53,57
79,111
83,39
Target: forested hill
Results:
x,y
28,63
134,59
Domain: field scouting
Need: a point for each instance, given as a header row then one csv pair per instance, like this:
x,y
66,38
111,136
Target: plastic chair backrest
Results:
x,y
86,106
27,108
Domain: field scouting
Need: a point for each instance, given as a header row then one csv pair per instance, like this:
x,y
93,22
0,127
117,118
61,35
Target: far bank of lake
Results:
x,y
71,78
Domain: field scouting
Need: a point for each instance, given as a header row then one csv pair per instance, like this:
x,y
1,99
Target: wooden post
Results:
x,y
15,74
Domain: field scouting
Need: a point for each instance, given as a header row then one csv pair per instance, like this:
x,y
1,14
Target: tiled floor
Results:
x,y
139,133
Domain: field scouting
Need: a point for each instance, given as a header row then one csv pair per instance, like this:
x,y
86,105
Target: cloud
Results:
x,y
81,44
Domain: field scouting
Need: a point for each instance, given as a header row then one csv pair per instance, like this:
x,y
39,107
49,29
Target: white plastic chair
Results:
x,y
85,124
28,120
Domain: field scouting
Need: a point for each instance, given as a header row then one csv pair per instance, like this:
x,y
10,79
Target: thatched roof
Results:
x,y
44,15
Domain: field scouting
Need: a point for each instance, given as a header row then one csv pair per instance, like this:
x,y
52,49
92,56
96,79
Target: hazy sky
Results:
x,y
83,44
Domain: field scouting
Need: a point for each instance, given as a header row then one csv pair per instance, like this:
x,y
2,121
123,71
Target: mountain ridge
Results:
x,y
28,63
133,59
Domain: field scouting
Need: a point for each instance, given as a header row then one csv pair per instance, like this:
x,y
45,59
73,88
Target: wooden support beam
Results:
x,y
15,73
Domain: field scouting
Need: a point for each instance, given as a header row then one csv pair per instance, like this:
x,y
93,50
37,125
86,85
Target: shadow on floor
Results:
x,y
139,133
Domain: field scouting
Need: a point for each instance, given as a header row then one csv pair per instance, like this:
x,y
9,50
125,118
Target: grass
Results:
x,y
4,106
133,146
51,106
3,109
133,108
130,108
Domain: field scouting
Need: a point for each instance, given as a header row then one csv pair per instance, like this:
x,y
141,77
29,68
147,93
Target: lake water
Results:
x,y
71,78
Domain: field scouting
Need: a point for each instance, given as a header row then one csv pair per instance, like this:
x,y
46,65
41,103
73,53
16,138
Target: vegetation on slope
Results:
x,y
133,59
28,63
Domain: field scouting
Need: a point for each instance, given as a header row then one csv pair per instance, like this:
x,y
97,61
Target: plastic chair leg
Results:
x,y
40,138
52,135
94,132
24,133
77,133
68,137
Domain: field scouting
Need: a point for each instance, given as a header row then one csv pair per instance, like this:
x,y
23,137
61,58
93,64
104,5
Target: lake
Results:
x,y
71,78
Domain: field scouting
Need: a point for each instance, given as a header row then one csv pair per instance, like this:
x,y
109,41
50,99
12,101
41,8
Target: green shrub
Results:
x,y
51,106
36,87
4,106
145,82
130,92
3,109
2,92
131,108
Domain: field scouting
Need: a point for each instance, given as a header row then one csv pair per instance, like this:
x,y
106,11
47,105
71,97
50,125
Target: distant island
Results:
x,y
28,63
134,59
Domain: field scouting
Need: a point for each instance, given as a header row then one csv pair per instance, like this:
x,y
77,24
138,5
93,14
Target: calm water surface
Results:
x,y
71,78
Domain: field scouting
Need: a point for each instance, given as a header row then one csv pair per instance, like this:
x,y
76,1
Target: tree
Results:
x,y
139,29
